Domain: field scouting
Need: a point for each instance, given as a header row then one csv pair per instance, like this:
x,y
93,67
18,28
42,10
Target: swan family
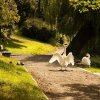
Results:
x,y
65,60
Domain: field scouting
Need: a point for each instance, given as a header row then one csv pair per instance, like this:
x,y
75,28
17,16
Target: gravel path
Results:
x,y
73,84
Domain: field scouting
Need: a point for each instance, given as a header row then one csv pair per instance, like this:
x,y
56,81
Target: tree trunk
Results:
x,y
81,39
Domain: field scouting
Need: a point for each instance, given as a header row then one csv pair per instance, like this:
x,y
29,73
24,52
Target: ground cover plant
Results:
x,y
23,45
16,83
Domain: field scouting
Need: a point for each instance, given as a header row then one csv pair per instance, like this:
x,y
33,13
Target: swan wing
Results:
x,y
55,57
70,58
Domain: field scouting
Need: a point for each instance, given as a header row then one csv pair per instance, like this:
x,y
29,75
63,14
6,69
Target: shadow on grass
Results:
x,y
10,67
95,61
27,91
96,64
13,44
6,66
16,40
21,91
78,92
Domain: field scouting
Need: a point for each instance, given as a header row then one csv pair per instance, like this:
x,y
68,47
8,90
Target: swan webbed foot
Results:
x,y
61,69
66,69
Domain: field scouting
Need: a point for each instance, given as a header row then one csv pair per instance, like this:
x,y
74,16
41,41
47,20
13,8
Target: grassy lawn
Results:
x,y
16,83
93,69
28,46
95,64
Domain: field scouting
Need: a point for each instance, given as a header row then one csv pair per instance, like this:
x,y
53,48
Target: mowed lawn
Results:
x,y
16,83
93,69
24,45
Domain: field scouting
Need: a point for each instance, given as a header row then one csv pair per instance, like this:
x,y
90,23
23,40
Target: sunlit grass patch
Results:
x,y
28,46
16,83
95,64
93,69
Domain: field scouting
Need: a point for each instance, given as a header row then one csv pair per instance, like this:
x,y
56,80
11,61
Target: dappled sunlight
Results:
x,y
28,46
82,91
78,92
16,83
8,64
13,44
20,91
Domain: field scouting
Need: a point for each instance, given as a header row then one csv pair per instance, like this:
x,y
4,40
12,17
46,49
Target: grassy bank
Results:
x,y
24,45
93,69
16,83
95,64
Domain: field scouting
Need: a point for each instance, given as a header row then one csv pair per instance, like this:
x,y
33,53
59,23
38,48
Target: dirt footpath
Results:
x,y
73,84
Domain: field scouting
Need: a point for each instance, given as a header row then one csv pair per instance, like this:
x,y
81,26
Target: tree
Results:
x,y
87,17
8,14
80,19
26,9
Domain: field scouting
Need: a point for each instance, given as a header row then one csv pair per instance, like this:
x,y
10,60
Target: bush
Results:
x,y
41,30
42,34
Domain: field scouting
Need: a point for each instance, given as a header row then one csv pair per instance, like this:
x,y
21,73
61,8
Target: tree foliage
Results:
x,y
85,12
8,13
26,9
85,5
69,17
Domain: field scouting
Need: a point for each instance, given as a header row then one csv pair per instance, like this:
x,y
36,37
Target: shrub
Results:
x,y
42,34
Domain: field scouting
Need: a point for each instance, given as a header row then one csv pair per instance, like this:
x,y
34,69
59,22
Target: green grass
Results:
x,y
95,64
28,46
93,69
16,83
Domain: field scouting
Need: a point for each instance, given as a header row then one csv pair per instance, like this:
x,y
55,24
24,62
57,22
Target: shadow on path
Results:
x,y
38,58
78,92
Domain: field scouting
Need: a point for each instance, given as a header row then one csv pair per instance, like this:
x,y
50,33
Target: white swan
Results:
x,y
70,58
86,60
64,61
